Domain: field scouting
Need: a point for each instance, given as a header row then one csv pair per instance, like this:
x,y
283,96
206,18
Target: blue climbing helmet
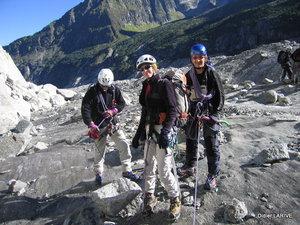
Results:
x,y
198,49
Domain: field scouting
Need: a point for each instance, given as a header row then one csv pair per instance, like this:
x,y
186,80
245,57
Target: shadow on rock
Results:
x,y
81,188
16,208
219,215
297,126
112,158
55,209
160,217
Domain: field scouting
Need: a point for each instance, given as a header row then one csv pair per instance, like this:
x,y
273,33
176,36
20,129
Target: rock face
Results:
x,y
13,106
9,69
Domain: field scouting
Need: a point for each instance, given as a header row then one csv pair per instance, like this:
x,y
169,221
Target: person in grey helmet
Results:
x,y
100,106
205,87
158,118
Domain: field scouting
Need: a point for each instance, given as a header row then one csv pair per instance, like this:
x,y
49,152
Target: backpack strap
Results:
x,y
114,102
102,101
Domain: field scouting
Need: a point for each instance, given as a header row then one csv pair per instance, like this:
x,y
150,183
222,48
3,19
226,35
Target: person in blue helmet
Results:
x,y
204,86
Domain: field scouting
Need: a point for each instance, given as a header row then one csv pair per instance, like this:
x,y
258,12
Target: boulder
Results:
x,y
114,197
17,186
235,211
44,94
275,153
67,94
57,100
283,100
40,146
268,97
12,144
267,81
50,88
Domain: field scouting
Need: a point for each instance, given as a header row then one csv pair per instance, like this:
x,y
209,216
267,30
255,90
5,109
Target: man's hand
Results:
x,y
205,98
93,131
110,112
164,140
207,119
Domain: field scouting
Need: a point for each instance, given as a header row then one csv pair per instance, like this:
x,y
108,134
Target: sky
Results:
x,y
19,18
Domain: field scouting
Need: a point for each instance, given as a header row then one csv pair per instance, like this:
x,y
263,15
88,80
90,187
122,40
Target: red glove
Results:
x,y
110,112
93,131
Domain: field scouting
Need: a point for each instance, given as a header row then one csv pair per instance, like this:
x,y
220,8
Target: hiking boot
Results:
x,y
186,171
210,183
150,202
175,208
131,176
98,180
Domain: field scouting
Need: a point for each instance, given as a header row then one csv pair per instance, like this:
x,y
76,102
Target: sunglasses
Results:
x,y
198,57
146,67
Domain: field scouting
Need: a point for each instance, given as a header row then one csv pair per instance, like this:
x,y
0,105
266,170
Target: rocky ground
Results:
x,y
48,179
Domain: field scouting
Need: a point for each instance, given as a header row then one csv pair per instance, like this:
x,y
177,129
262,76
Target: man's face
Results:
x,y
104,88
147,70
199,61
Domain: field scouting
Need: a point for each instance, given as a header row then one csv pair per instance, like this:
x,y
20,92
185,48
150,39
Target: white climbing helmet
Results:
x,y
145,59
106,77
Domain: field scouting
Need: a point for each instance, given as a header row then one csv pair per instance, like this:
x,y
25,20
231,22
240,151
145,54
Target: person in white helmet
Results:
x,y
158,118
99,109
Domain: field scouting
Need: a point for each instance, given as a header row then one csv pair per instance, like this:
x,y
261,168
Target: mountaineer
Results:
x,y
206,97
100,106
158,118
284,59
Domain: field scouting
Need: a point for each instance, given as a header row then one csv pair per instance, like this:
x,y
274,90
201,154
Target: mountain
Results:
x,y
95,34
46,169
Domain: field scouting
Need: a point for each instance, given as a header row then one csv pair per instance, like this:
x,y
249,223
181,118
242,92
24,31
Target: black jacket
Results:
x,y
92,109
161,98
212,81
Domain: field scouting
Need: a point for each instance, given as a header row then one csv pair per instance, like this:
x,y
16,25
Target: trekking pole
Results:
x,y
198,110
176,176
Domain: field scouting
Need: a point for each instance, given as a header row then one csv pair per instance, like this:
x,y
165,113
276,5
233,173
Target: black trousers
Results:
x,y
287,70
211,145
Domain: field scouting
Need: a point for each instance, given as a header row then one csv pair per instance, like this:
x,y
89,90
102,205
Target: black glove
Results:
x,y
135,141
164,141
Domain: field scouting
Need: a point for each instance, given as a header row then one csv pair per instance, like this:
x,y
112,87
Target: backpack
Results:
x,y
282,57
296,55
178,81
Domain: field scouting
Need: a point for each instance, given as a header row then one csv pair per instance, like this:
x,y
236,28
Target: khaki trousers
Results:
x,y
123,147
161,160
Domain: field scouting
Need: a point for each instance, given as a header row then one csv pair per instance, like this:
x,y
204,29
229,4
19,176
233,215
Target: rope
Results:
x,y
104,120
